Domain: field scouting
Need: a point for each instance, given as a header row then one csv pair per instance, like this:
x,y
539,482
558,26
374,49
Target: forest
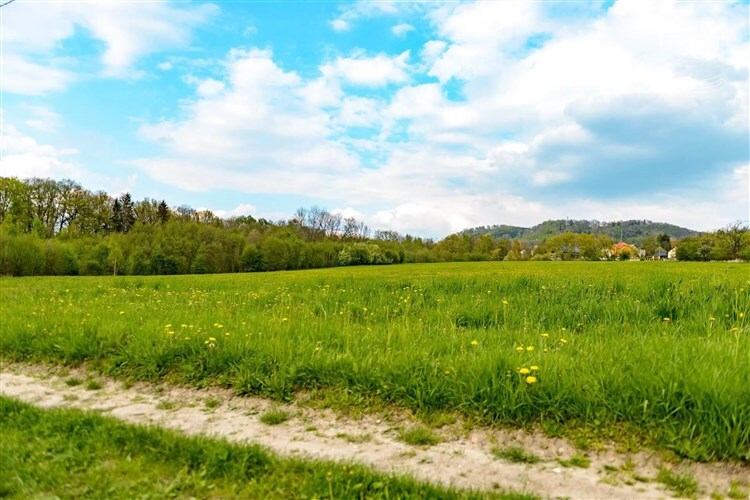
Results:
x,y
50,227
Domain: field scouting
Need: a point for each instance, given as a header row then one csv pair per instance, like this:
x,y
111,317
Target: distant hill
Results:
x,y
631,231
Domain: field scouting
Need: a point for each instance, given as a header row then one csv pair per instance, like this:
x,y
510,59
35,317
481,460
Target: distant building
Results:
x,y
672,254
660,254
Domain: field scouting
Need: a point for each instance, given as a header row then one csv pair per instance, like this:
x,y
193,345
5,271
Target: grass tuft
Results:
x,y
515,454
274,417
682,484
419,436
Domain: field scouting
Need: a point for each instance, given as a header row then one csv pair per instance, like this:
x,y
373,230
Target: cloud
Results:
x,y
340,25
238,211
33,33
23,157
402,29
260,133
375,71
21,76
352,13
42,118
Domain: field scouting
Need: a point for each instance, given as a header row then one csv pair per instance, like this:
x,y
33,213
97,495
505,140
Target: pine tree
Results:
x,y
163,212
128,213
116,218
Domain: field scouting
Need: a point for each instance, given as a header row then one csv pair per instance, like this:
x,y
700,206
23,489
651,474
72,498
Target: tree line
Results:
x,y
50,227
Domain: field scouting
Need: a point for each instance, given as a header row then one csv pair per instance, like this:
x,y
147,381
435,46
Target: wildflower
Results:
x,y
667,320
545,335
711,318
530,348
168,326
742,315
211,339
284,319
505,302
563,341
519,348
475,342
447,372
122,312
524,371
735,329
531,380
534,368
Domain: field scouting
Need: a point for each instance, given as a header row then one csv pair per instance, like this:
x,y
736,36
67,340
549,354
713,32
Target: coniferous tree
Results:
x,y
128,213
163,212
116,219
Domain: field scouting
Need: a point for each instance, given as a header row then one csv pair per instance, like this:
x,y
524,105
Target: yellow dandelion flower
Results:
x,y
534,368
531,380
519,348
546,350
122,312
524,371
211,339
735,329
505,302
168,326
475,342
284,319
530,348
667,320
545,335
447,372
563,341
711,319
742,315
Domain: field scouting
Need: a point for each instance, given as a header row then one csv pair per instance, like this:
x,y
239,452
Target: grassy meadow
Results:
x,y
648,353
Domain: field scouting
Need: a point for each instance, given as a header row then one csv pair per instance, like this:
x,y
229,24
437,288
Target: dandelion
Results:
x,y
545,335
505,302
475,342
168,326
531,380
284,319
524,371
519,348
530,348
563,341
711,318
122,312
534,368
742,315
447,372
667,320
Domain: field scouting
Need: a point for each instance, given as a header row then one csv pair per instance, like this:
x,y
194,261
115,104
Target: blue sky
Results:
x,y
418,117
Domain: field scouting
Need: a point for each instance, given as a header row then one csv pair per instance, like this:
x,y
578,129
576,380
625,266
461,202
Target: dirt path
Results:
x,y
463,459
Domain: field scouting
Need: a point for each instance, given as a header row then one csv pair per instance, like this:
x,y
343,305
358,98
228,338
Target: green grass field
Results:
x,y
648,353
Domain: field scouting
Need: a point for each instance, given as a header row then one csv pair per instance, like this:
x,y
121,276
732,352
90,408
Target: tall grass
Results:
x,y
659,351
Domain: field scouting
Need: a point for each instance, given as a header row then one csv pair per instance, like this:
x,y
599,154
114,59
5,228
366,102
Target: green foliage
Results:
x,y
68,453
